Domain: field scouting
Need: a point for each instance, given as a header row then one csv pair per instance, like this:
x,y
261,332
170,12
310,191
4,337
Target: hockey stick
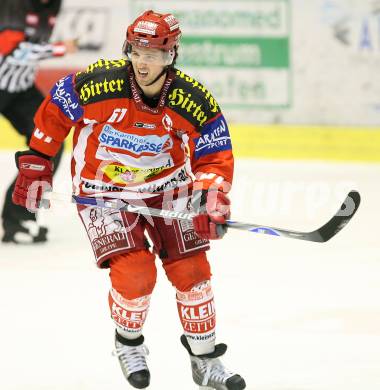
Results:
x,y
346,211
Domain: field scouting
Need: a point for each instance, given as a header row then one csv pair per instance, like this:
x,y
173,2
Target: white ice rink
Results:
x,y
296,315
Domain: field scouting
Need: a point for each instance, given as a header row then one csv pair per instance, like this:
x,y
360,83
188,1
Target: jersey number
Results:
x,y
117,115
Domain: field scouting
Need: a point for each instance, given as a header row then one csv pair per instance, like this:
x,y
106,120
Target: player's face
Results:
x,y
147,63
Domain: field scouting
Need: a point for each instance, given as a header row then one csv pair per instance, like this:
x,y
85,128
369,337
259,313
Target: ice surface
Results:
x,y
296,315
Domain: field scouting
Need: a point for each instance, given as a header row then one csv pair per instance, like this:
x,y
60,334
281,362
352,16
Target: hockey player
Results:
x,y
148,133
25,28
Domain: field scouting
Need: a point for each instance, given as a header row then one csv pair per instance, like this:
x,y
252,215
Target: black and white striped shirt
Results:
x,y
18,69
24,39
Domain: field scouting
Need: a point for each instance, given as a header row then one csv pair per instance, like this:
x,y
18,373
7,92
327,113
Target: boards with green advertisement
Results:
x,y
239,50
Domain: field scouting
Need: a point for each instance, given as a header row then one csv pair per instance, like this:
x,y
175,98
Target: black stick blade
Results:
x,y
328,230
339,220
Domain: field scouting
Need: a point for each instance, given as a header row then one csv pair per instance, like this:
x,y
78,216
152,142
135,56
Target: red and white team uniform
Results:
x,y
123,145
155,151
125,148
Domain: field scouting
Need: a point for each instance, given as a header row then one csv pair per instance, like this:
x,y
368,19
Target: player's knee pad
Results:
x,y
189,271
196,310
133,274
128,315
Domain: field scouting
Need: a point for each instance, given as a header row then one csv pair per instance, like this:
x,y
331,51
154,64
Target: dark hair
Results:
x,y
126,47
175,57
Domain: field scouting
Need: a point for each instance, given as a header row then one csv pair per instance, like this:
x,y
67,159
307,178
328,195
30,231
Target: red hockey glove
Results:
x,y
35,176
213,211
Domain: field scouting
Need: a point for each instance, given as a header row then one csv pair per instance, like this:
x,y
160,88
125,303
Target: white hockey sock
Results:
x,y
129,315
196,310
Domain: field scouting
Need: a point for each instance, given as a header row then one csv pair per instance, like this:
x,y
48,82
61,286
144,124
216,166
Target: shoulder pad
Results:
x,y
66,99
190,99
105,79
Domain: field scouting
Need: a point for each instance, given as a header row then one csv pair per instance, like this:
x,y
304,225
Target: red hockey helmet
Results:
x,y
154,30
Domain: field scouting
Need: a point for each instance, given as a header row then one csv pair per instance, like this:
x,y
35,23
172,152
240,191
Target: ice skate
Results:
x,y
209,372
131,355
25,232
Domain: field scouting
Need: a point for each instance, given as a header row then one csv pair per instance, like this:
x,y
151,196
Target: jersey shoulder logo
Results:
x,y
215,137
105,79
192,100
64,96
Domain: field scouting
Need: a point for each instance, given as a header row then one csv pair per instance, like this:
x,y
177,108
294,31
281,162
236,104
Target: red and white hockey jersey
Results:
x,y
123,145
